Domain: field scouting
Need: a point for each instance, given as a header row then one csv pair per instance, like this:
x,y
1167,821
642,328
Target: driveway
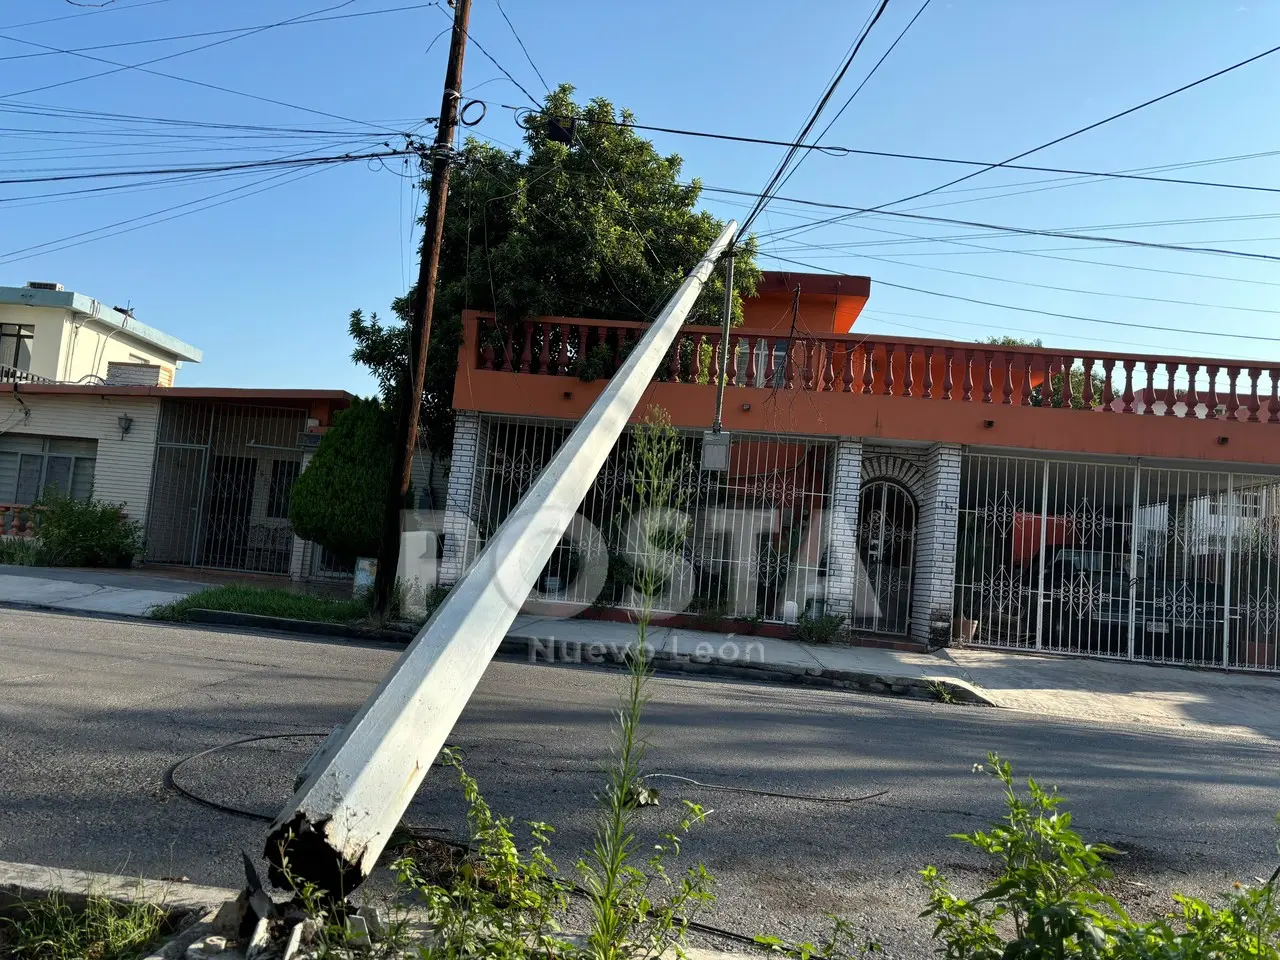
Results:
x,y
1207,702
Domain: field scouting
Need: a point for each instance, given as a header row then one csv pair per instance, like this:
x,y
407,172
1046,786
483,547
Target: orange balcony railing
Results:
x,y
17,520
925,369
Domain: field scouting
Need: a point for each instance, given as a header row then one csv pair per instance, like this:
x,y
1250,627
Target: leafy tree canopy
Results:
x,y
601,227
338,500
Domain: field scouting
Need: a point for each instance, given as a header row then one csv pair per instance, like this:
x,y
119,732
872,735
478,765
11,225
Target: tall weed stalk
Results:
x,y
638,909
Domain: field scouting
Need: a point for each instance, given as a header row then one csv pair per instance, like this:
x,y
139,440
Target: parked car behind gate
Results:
x,y
1088,597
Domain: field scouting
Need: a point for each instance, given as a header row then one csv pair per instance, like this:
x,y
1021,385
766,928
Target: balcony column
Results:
x,y
842,543
466,471
934,580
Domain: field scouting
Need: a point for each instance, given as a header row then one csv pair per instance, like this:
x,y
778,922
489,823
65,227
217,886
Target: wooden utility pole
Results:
x,y
420,310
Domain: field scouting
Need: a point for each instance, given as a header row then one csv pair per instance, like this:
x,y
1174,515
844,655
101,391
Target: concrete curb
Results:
x,y
195,909
192,908
255,621
549,650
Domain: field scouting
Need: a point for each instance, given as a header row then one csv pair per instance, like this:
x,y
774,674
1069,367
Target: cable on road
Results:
x,y
170,775
767,793
170,780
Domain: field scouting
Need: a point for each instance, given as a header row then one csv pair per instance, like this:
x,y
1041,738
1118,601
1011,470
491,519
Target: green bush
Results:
x,y
824,628
1048,899
86,533
338,500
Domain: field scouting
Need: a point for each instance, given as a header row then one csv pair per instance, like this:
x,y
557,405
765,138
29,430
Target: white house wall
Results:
x,y
49,324
88,346
122,473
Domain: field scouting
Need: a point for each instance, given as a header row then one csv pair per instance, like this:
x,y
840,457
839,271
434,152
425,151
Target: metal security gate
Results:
x,y
757,533
1124,560
221,487
886,548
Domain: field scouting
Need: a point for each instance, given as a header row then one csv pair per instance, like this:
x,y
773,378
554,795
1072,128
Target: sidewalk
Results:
x,y
128,593
1204,702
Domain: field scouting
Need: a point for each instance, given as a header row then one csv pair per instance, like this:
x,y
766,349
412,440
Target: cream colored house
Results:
x,y
52,335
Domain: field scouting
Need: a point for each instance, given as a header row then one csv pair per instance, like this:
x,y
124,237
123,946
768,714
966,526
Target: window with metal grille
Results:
x,y
284,474
15,345
32,466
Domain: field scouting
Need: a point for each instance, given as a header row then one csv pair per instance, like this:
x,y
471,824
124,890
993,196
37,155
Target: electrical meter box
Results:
x,y
715,451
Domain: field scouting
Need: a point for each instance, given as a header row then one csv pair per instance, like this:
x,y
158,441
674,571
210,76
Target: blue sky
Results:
x,y
263,282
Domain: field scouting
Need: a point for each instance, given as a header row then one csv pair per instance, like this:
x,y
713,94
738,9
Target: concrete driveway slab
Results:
x,y
1205,701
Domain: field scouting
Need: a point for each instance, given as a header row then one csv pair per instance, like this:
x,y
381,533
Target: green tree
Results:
x,y
1055,382
600,227
338,500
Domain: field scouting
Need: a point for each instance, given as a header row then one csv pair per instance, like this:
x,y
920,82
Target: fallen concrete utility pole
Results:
x,y
338,822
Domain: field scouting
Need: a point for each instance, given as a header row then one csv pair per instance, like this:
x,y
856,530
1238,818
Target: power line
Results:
x,y
518,85
1091,293
840,151
217,33
586,149
142,67
1059,183
765,197
26,108
134,186
914,239
857,90
87,13
1027,231
1047,313
1064,137
523,48
54,246
878,316
256,164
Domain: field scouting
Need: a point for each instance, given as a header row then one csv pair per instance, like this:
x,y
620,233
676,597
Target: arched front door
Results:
x,y
887,550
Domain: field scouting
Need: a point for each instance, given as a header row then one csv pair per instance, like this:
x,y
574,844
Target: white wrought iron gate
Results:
x,y
1123,560
756,545
886,547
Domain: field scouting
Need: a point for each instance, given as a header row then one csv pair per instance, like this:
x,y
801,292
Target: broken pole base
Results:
x,y
297,850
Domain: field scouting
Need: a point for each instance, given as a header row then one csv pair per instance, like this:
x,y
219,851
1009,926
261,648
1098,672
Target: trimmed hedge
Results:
x,y
338,500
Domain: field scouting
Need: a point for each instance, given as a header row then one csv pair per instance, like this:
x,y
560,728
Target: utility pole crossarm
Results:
x,y
336,825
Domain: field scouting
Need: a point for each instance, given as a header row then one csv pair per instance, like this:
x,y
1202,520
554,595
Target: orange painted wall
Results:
x,y
835,413
828,304
810,413
818,313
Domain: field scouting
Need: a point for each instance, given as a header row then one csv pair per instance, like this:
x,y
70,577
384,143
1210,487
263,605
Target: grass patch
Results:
x,y
20,552
267,602
50,929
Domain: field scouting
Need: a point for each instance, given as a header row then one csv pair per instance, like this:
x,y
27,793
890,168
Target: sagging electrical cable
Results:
x,y
812,798
170,780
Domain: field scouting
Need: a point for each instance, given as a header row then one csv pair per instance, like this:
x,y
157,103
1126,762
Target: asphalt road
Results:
x,y
93,711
